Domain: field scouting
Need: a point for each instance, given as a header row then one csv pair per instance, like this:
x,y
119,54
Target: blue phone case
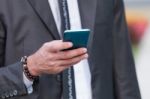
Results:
x,y
79,38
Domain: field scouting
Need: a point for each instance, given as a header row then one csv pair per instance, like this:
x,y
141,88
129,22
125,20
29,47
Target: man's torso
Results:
x,y
29,24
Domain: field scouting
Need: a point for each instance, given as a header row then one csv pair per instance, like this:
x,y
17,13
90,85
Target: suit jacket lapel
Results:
x,y
43,10
88,15
87,12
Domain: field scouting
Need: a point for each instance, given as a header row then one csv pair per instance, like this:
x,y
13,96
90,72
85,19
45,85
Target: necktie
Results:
x,y
68,75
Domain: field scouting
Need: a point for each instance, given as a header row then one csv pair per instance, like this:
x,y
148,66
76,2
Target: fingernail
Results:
x,y
70,44
86,56
84,50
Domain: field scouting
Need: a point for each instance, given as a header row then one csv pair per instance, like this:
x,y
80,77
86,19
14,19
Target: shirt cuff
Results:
x,y
28,84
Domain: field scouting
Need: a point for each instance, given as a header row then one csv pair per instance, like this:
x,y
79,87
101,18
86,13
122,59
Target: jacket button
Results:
x,y
3,97
15,92
59,77
11,94
7,95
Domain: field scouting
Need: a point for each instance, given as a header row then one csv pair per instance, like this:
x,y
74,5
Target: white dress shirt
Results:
x,y
81,70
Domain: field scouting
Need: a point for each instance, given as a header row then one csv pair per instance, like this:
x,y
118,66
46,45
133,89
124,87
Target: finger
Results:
x,y
72,61
55,70
60,65
71,53
57,45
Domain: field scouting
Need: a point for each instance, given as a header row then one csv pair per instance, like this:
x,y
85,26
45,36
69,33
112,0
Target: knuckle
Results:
x,y
67,55
80,51
46,45
62,54
66,45
51,57
52,64
70,54
76,52
72,61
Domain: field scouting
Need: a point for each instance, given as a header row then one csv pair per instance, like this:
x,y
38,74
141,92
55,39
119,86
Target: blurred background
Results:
x,y
138,19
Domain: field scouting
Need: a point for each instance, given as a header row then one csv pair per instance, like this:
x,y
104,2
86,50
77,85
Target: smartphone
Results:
x,y
79,38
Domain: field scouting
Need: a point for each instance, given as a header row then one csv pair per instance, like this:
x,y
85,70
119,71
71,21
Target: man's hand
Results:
x,y
50,59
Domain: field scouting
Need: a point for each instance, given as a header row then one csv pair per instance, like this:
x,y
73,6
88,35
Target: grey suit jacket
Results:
x,y
27,24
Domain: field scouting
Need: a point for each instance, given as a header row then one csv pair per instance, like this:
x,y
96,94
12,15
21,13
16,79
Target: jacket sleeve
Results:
x,y
11,77
126,84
